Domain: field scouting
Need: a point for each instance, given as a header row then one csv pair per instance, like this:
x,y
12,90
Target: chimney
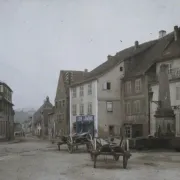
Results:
x,y
136,44
85,70
176,33
162,33
109,57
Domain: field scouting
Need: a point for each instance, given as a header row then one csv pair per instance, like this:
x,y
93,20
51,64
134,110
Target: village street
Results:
x,y
40,160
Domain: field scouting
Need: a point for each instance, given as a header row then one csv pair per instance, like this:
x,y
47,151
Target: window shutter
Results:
x,y
105,85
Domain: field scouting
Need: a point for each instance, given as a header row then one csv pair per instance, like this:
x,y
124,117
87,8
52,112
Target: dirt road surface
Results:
x,y
39,160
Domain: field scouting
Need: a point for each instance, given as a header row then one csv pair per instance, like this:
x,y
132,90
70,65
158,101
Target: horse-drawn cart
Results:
x,y
105,147
61,141
75,140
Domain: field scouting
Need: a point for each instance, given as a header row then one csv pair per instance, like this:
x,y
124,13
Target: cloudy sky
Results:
x,y
38,38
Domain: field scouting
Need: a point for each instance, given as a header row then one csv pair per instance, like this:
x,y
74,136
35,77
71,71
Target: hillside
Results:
x,y
23,115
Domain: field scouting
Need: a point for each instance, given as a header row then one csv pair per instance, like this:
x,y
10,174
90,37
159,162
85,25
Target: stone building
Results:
x,y
52,124
40,119
165,88
141,84
6,112
66,78
96,102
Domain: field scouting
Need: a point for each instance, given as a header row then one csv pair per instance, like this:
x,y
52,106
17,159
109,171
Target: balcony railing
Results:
x,y
174,73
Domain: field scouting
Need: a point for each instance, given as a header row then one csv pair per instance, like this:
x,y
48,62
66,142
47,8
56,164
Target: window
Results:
x,y
81,92
177,93
89,89
107,86
90,108
1,88
121,68
81,109
169,68
63,103
128,87
74,109
111,130
109,106
128,108
137,85
128,131
74,92
137,106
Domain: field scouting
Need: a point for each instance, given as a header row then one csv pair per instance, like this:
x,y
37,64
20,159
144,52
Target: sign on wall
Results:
x,y
85,118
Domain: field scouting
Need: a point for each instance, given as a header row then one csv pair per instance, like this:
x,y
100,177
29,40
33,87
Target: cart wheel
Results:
x,y
125,160
89,137
95,158
70,144
116,158
70,148
89,147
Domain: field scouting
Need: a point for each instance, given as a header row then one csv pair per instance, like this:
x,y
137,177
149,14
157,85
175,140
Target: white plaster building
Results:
x,y
105,103
83,101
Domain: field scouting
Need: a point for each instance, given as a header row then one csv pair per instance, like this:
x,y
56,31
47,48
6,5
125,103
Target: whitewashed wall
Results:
x,y
84,100
114,118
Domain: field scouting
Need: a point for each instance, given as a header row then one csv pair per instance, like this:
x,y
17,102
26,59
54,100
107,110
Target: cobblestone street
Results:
x,y
40,160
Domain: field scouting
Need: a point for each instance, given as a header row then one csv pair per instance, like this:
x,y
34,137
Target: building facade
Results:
x,y
141,82
135,107
6,112
107,102
51,124
66,78
40,119
174,85
83,104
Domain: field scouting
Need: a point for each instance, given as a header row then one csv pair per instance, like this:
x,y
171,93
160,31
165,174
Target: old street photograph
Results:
x,y
89,90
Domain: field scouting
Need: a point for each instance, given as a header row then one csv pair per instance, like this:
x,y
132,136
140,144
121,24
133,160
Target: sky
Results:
x,y
38,38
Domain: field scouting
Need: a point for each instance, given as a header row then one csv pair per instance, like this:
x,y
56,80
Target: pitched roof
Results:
x,y
153,55
75,76
37,114
114,60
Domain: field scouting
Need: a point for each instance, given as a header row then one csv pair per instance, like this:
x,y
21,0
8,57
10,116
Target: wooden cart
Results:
x,y
76,140
108,148
61,141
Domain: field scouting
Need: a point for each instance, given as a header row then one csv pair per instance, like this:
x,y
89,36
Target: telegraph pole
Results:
x,y
69,79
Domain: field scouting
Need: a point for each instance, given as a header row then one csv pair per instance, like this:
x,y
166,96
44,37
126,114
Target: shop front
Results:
x,y
85,124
